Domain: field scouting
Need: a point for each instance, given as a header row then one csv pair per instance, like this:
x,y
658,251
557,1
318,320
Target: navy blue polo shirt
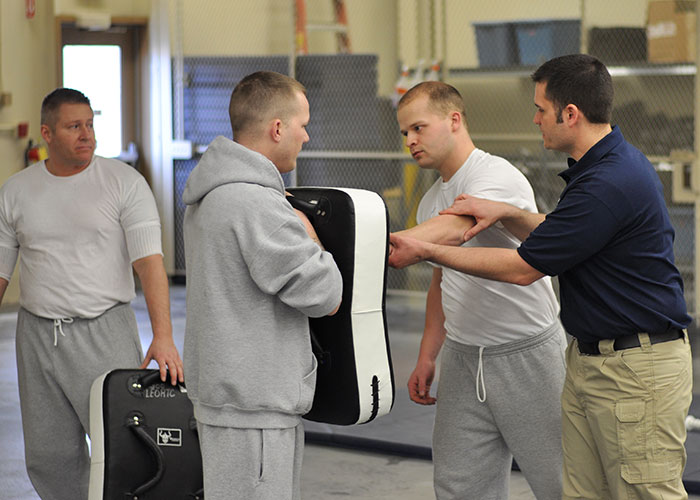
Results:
x,y
610,241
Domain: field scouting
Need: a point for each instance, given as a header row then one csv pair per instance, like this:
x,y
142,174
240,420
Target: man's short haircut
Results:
x,y
581,80
260,97
53,101
443,98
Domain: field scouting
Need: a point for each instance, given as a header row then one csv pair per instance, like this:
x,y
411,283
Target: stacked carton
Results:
x,y
671,31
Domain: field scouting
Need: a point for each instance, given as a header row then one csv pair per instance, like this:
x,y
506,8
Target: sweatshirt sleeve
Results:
x,y
284,261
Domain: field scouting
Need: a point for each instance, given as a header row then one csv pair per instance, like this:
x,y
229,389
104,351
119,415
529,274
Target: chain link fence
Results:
x,y
653,68
487,51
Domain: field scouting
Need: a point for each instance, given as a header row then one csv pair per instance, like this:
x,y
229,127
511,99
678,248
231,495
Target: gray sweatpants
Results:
x,y
57,361
251,464
515,412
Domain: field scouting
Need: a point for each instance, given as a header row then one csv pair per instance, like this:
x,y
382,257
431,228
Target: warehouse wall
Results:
x,y
112,7
261,27
27,73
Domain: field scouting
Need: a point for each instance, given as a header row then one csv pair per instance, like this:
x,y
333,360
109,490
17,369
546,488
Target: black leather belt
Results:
x,y
631,341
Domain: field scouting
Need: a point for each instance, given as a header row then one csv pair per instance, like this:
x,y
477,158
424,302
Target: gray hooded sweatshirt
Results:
x,y
253,278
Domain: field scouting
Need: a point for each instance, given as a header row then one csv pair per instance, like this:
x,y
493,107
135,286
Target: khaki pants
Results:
x,y
623,421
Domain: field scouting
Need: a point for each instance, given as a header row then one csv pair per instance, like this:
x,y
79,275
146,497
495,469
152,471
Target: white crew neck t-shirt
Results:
x,y
478,311
77,236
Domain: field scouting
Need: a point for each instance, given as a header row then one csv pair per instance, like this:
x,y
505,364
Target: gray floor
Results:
x,y
328,471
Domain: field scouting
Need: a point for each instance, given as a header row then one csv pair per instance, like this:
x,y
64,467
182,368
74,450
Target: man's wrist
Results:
x,y
510,212
428,251
426,359
163,334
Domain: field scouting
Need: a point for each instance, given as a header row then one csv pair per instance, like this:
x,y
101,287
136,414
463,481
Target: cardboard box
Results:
x,y
671,31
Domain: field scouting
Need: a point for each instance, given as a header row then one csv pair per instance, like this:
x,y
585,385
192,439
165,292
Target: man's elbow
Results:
x,y
146,262
527,277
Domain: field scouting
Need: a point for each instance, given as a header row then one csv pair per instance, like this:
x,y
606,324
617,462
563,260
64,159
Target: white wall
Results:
x,y
243,27
257,27
126,8
27,72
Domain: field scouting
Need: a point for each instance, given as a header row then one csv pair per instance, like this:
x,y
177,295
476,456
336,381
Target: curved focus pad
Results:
x,y
144,443
355,381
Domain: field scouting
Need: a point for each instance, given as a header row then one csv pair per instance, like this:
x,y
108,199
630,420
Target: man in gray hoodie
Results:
x,y
255,273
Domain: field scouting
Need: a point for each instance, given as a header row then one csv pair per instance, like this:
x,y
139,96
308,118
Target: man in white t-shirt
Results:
x,y
502,365
81,224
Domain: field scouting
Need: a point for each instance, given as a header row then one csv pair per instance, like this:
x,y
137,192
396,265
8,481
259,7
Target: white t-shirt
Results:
x,y
478,311
77,235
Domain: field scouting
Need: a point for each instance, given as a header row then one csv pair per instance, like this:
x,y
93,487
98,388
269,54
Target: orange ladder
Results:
x,y
340,27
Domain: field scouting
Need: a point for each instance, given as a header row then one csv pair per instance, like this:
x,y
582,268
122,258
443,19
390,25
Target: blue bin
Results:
x,y
496,44
541,40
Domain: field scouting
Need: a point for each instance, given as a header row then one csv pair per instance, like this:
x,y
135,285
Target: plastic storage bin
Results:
x,y
496,44
618,45
541,40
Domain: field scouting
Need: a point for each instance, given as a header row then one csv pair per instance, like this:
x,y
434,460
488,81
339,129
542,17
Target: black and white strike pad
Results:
x,y
355,380
144,442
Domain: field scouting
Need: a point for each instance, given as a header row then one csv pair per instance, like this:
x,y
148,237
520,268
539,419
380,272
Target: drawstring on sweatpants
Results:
x,y
480,391
58,328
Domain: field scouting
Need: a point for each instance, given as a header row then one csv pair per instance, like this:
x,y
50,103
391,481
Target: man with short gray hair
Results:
x,y
82,224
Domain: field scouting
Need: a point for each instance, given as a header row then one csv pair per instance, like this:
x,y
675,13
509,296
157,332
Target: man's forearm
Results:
x,y
3,288
499,264
154,282
434,331
444,229
520,223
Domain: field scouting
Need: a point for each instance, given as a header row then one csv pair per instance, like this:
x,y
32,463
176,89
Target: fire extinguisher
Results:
x,y
34,153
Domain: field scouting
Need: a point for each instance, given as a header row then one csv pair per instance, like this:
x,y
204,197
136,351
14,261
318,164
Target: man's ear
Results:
x,y
45,133
276,130
456,120
571,114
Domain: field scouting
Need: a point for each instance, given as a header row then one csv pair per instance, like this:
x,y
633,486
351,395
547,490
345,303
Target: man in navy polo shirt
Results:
x,y
610,242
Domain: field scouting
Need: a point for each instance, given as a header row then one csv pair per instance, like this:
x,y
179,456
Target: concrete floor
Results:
x,y
328,472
